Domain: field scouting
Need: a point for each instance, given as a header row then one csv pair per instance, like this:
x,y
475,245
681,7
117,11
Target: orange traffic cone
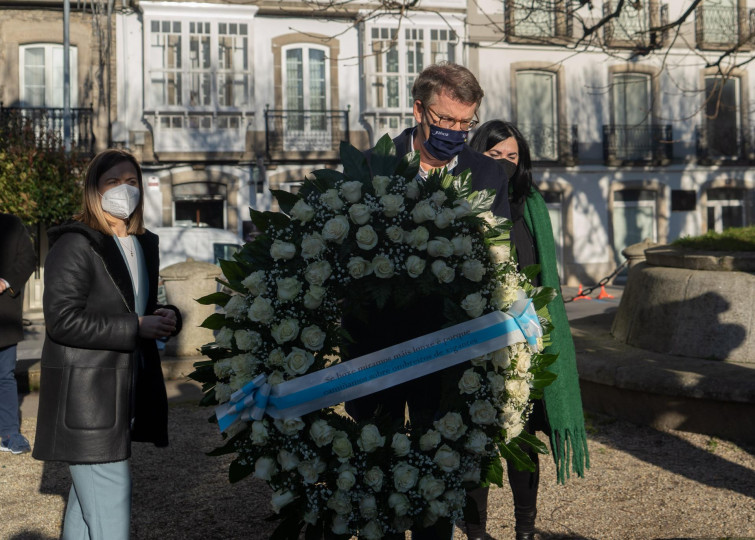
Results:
x,y
603,294
581,296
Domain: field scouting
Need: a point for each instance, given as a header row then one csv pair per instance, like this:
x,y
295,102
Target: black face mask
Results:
x,y
509,166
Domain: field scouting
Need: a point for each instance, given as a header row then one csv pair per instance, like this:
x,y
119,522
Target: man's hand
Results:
x,y
161,324
3,285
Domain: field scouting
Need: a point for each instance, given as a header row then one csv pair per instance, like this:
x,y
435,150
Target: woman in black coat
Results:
x,y
101,383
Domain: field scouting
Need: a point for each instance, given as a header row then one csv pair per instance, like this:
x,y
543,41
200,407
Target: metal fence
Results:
x,y
304,131
47,126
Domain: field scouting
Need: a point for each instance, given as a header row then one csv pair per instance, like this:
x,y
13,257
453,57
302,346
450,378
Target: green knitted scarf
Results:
x,y
563,402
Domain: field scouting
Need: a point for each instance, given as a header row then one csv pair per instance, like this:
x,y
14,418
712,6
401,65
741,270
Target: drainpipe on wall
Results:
x,y
66,76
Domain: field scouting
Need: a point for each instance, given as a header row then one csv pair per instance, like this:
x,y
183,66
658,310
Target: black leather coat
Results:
x,y
97,373
17,262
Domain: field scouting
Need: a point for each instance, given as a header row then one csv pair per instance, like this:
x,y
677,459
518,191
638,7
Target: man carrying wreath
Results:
x,y
447,97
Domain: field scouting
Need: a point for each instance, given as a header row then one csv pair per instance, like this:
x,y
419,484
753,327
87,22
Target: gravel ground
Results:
x,y
643,484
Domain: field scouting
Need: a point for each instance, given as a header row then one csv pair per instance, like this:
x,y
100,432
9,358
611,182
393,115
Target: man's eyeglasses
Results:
x,y
448,123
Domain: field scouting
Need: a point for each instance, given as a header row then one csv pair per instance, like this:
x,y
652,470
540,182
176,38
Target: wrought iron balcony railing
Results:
x,y
716,26
719,143
552,143
650,143
296,134
47,126
635,27
538,20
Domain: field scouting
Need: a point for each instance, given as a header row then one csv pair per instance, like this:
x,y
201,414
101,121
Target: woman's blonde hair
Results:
x,y
91,208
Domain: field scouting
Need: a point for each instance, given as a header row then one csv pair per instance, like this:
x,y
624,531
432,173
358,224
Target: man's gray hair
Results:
x,y
454,79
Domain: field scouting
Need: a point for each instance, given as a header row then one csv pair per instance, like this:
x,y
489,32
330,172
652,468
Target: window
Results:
x,y
631,116
634,218
725,208
398,56
533,18
536,112
717,23
306,98
41,75
722,123
631,27
198,64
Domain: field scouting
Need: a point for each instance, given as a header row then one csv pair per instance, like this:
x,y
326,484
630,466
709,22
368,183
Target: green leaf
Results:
x,y
288,528
203,374
408,167
543,379
481,201
286,199
463,184
544,360
218,298
231,270
237,471
384,160
542,296
216,321
354,163
529,438
531,271
325,179
492,472
511,452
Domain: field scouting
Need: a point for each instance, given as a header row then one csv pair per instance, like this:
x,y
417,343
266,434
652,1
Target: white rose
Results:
x,y
476,442
314,296
423,212
470,382
321,432
222,368
440,247
313,337
412,190
370,438
247,340
430,487
473,270
447,458
359,267
382,266
444,218
235,307
312,245
222,392
265,468
462,208
415,266
429,440
438,508
438,198
368,510
244,366
261,310
501,358
275,378
417,238
342,446
401,444
392,204
289,426
276,358
366,237
451,426
330,199
399,503
473,304
288,288
346,480
482,412
481,360
359,213
282,250
462,245
523,362
311,469
514,430
442,271
374,478
380,184
340,524
340,503
510,416
281,499
255,283
471,475
371,531
500,254
404,477
518,391
336,229
317,272
302,211
260,435
395,234
298,361
352,191
496,383
286,330
224,337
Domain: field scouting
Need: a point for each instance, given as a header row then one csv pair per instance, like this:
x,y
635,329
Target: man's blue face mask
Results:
x,y
444,144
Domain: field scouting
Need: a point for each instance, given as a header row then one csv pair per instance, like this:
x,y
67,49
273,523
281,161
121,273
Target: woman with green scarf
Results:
x,y
559,414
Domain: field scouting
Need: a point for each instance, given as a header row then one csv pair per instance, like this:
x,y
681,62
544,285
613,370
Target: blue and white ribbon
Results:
x,y
384,368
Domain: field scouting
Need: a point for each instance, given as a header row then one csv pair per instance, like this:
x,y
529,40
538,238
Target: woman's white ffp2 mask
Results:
x,y
121,201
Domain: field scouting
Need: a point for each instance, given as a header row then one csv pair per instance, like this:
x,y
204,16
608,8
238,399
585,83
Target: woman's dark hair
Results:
x,y
494,131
